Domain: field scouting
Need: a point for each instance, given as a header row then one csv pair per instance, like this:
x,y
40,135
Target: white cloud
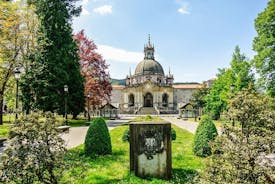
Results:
x,y
184,7
183,11
120,55
84,2
102,10
85,11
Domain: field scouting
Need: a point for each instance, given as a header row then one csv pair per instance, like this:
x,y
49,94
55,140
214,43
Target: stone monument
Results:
x,y
150,149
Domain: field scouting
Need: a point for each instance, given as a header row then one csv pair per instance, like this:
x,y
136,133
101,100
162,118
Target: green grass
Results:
x,y
4,130
146,118
115,168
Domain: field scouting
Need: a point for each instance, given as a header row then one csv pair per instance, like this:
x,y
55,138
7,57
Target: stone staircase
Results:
x,y
147,110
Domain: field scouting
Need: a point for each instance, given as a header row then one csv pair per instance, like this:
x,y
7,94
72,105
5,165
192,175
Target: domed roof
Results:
x,y
149,66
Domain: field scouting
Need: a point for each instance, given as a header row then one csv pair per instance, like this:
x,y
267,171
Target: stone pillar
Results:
x,y
150,149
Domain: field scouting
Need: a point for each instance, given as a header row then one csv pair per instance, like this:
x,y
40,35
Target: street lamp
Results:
x,y
89,117
66,89
17,77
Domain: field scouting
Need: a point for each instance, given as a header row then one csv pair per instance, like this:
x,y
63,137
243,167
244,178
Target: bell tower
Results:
x,y
149,50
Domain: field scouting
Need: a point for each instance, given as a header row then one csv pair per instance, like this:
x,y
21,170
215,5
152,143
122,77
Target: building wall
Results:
x,y
116,97
176,96
182,95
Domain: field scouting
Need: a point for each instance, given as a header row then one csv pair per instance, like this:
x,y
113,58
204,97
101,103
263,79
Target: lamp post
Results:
x,y
89,117
66,89
17,77
232,87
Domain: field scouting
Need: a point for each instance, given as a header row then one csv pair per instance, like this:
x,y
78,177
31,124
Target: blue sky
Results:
x,y
193,37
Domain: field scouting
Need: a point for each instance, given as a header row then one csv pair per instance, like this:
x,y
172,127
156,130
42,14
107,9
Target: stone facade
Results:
x,y
149,87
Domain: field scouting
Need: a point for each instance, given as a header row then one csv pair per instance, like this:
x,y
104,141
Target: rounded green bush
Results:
x,y
126,135
205,132
98,140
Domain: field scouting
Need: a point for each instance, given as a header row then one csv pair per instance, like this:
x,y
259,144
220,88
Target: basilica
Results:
x,y
149,90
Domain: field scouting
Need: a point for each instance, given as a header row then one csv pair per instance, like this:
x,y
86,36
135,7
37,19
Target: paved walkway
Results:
x,y
187,125
76,135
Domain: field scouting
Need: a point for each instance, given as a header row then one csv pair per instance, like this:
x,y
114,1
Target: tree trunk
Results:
x,y
74,116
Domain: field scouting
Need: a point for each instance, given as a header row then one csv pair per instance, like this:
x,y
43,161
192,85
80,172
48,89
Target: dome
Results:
x,y
149,66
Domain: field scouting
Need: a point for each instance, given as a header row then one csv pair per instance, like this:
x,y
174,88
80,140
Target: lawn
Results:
x,y
115,168
4,130
146,118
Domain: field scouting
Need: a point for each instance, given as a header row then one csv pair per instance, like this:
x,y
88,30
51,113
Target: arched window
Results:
x,y
148,100
131,100
165,100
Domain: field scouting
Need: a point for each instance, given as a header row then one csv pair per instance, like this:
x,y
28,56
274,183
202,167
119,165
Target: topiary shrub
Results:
x,y
205,132
98,140
126,135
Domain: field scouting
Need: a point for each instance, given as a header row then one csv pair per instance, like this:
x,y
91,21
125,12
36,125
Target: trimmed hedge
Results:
x,y
98,140
205,132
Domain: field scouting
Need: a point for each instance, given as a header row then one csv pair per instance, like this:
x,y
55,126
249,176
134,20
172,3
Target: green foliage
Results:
x,y
252,109
98,141
126,135
240,158
199,97
173,134
205,133
115,168
242,151
56,62
34,153
264,45
238,74
4,130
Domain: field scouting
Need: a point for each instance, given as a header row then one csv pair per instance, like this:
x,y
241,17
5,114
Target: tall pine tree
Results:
x,y
56,64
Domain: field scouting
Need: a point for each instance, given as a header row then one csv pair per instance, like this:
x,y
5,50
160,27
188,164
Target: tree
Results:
x,y
252,109
29,37
241,153
199,98
35,151
56,64
94,70
9,47
264,45
238,74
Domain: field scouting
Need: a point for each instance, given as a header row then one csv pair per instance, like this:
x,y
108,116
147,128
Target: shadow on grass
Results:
x,y
103,180
184,175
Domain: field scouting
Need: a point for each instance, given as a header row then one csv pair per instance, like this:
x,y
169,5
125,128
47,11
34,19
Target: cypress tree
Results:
x,y
56,64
